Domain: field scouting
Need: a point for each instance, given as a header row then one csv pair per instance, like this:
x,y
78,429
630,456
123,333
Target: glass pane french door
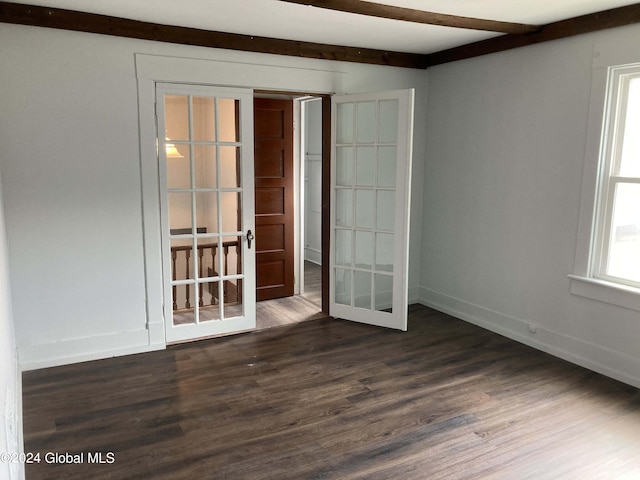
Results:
x,y
205,149
370,189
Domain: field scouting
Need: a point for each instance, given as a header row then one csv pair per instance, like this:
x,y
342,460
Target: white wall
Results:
x,y
313,182
70,140
506,139
10,384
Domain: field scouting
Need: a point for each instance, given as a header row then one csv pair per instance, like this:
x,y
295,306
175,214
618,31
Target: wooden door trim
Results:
x,y
326,198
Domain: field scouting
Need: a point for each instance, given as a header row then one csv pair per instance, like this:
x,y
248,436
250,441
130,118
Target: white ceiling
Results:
x,y
273,18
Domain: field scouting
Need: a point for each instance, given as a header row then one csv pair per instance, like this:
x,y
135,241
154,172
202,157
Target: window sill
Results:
x,y
608,292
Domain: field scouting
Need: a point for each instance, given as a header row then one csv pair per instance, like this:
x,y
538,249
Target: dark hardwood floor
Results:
x,y
339,400
313,283
294,309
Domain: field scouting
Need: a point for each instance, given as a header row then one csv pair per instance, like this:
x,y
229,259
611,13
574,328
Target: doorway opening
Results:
x,y
304,300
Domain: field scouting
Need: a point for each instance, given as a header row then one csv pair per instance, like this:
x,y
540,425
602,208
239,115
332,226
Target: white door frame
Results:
x,y
151,69
302,192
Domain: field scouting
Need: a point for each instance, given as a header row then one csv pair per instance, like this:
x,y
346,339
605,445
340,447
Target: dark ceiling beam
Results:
x,y
92,23
616,17
417,16
37,16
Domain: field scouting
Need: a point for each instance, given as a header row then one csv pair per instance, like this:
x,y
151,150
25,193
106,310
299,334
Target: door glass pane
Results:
x,y
182,262
229,118
208,261
207,212
343,247
344,123
204,119
344,208
231,255
232,289
230,209
385,209
384,292
205,165
344,166
342,285
384,252
230,167
365,166
180,213
630,161
176,117
178,166
209,295
387,166
364,250
364,208
183,310
624,249
366,122
388,122
209,313
362,287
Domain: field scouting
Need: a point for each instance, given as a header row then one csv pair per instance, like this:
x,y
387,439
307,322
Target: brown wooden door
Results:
x,y
273,132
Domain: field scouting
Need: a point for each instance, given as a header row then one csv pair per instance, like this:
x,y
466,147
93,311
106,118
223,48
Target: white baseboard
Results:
x,y
414,295
313,255
608,362
85,349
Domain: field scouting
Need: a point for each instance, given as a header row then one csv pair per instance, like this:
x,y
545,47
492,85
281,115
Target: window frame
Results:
x,y
610,84
610,160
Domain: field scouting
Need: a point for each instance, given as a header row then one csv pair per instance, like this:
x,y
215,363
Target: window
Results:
x,y
616,242
608,252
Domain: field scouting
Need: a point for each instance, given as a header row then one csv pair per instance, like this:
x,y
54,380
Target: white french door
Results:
x,y
205,150
370,189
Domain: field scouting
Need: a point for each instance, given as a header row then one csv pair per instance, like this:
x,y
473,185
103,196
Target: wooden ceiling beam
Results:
x,y
417,16
616,17
38,16
21,14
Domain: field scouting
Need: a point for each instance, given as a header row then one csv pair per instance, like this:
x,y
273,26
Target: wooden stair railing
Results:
x,y
232,293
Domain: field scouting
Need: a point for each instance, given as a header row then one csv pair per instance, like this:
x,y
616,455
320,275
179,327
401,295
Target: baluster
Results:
x,y
174,256
226,259
239,271
225,283
213,287
188,257
200,254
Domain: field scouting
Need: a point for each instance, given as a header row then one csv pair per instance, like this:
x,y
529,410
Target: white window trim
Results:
x,y
583,280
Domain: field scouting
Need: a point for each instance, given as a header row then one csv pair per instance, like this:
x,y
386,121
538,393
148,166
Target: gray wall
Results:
x,y
506,139
71,148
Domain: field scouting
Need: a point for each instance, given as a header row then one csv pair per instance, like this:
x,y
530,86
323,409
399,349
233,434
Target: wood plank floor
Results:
x,y
336,400
294,309
313,283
